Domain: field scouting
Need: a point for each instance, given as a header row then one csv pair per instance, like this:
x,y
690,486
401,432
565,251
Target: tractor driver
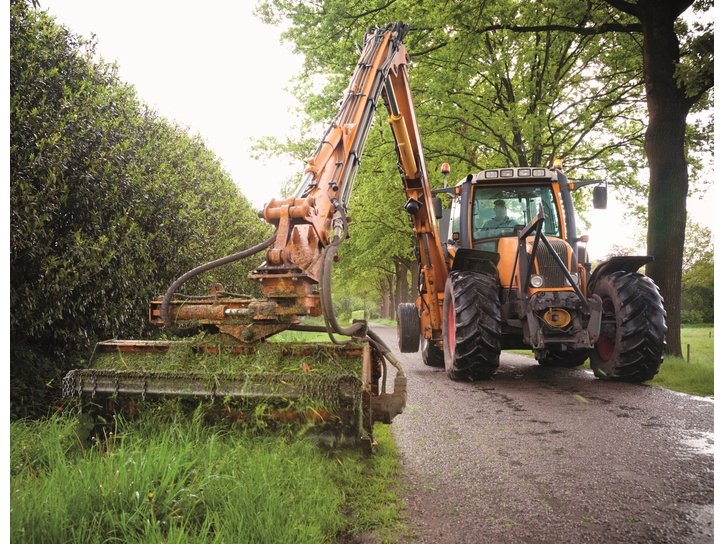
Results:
x,y
501,220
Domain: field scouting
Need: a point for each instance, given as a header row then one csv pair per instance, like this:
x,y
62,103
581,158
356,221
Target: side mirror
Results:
x,y
600,197
438,207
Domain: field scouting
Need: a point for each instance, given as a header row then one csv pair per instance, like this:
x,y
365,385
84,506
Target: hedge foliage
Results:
x,y
109,203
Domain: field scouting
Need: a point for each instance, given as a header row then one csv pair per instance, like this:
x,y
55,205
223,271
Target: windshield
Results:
x,y
498,210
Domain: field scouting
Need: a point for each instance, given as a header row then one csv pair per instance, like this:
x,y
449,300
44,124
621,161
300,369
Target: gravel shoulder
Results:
x,y
552,455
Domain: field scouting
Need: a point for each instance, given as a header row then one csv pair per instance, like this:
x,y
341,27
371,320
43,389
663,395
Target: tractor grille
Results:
x,y
553,275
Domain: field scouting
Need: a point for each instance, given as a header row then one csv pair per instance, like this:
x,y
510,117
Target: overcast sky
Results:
x,y
215,68
211,66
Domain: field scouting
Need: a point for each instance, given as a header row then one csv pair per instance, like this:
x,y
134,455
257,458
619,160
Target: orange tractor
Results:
x,y
519,277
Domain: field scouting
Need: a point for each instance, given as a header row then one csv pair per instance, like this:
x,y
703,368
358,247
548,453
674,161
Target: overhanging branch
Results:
x,y
626,7
581,30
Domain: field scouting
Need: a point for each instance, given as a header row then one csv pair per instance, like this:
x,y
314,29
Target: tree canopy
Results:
x,y
487,99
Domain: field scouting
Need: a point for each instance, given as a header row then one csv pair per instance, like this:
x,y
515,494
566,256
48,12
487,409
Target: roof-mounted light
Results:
x,y
523,172
538,172
508,173
490,174
556,164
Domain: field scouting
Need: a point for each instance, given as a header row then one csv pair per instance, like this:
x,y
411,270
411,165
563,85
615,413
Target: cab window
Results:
x,y
498,211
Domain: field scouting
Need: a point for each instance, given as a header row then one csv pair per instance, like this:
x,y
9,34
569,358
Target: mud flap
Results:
x,y
595,320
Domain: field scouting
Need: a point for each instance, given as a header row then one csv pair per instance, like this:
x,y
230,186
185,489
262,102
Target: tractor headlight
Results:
x,y
575,277
536,281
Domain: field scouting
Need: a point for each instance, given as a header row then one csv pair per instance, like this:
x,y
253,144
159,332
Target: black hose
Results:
x,y
331,323
201,269
328,311
326,297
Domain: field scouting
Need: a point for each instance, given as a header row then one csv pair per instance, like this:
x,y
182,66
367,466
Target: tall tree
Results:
x,y
673,85
698,275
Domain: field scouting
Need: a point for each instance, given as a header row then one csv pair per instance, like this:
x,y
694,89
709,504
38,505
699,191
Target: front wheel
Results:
x,y
408,328
631,342
471,325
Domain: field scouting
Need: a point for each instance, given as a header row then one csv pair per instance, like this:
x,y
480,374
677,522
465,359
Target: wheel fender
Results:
x,y
625,263
476,260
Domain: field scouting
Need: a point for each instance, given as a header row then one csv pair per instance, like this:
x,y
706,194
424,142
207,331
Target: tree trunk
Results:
x,y
385,295
401,284
665,148
414,279
392,308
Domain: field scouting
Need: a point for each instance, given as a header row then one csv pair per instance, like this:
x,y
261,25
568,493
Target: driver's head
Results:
x,y
499,208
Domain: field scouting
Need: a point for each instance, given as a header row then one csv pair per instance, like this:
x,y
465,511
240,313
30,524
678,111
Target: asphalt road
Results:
x,y
552,455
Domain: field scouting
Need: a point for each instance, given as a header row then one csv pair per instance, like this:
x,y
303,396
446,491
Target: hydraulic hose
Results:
x,y
326,282
201,269
386,351
331,323
326,298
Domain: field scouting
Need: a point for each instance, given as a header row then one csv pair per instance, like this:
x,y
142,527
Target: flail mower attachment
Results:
x,y
333,390
229,364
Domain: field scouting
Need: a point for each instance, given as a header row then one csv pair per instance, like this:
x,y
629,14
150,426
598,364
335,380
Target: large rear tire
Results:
x,y
471,325
564,359
631,343
432,354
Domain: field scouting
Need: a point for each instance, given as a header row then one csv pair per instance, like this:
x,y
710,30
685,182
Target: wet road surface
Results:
x,y
552,455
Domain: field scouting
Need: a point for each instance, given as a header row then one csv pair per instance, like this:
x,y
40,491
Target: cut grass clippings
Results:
x,y
170,478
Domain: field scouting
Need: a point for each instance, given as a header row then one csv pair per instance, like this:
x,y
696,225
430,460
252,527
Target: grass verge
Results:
x,y
170,478
696,377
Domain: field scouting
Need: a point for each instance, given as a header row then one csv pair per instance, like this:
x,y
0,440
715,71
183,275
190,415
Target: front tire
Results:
x,y
471,325
631,343
408,328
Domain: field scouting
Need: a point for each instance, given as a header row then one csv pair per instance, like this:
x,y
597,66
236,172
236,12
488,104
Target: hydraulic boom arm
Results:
x,y
310,225
314,220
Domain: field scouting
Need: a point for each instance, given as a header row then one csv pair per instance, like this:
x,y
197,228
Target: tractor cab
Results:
x,y
495,203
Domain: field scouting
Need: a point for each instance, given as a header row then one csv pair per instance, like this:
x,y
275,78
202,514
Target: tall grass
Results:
x,y
173,479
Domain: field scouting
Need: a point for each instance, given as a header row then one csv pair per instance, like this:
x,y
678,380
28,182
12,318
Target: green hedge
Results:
x,y
109,203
